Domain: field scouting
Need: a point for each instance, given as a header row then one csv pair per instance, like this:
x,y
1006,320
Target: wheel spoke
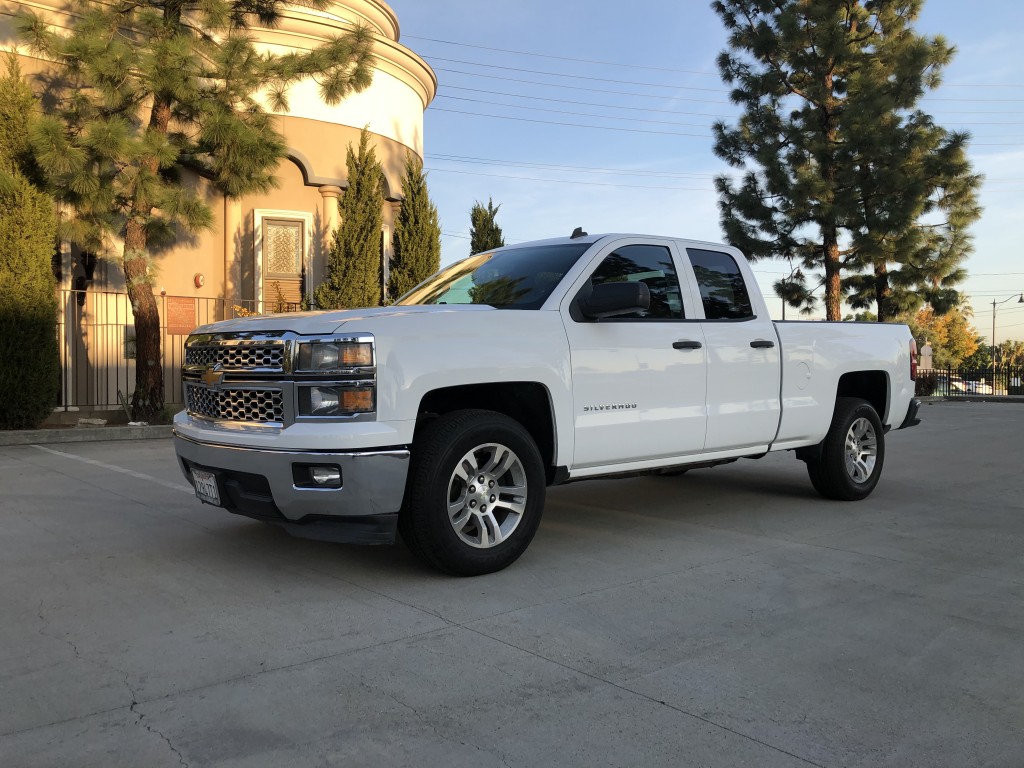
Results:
x,y
489,525
467,467
459,514
516,506
506,463
859,470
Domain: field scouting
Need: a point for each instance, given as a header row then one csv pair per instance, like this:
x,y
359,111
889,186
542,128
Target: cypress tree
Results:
x,y
417,242
30,373
145,90
354,263
841,170
484,233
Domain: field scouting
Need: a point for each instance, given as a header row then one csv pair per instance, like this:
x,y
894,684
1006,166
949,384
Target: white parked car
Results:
x,y
445,416
952,385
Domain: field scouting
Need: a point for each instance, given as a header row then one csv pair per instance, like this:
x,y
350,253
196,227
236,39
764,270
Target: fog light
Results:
x,y
326,477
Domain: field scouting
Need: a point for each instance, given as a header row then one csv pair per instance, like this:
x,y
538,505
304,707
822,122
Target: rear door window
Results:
x,y
722,288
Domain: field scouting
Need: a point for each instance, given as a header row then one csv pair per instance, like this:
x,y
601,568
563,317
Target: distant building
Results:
x,y
263,246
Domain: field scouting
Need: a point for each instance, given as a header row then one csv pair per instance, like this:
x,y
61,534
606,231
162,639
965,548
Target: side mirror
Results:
x,y
613,299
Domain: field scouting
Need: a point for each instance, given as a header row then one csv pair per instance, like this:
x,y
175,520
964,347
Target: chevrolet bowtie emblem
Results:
x,y
212,377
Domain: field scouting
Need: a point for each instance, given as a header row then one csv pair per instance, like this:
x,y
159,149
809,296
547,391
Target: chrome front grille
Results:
x,y
239,380
240,356
233,404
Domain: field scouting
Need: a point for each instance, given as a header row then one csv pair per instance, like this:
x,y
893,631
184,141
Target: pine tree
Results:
x,y
354,264
915,257
484,233
18,106
417,242
30,373
145,90
841,171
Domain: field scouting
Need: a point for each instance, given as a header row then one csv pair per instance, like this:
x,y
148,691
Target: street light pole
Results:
x,y
994,305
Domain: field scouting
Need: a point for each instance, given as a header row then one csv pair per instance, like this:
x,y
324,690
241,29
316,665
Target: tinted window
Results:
x,y
650,264
517,278
722,289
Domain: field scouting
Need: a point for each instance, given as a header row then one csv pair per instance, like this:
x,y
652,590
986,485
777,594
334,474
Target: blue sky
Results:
x,y
518,81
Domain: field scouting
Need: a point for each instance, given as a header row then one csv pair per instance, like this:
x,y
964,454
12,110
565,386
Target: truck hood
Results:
x,y
325,322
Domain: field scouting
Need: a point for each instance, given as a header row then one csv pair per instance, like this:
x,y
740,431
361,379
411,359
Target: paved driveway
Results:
x,y
727,617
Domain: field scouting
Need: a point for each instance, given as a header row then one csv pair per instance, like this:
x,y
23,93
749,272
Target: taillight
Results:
x,y
913,360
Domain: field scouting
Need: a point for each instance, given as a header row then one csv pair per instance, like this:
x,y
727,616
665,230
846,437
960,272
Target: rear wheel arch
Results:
x,y
872,386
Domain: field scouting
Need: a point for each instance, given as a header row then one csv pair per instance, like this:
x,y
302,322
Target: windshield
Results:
x,y
518,278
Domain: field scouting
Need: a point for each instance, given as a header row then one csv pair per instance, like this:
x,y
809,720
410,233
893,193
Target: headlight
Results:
x,y
326,356
335,400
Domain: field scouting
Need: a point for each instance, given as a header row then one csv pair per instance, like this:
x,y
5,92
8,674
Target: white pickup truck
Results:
x,y
445,416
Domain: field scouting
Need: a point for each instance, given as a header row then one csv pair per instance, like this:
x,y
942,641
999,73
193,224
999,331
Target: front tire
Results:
x,y
475,493
850,462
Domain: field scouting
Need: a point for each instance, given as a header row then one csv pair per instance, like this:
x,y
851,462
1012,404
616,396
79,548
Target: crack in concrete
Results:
x,y
65,638
141,721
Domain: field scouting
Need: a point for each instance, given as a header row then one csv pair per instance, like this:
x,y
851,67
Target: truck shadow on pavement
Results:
x,y
585,516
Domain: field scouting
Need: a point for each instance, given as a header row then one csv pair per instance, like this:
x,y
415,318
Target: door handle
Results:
x,y
686,345
762,344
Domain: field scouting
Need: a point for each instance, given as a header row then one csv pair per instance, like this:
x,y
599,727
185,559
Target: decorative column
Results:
x,y
231,288
330,218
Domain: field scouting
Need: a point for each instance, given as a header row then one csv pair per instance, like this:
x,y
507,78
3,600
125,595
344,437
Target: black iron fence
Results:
x,y
1003,380
96,334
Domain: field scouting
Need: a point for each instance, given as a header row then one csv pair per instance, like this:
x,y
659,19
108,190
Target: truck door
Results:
x,y
743,356
638,381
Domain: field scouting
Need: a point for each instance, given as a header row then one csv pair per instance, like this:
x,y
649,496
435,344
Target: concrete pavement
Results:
x,y
726,617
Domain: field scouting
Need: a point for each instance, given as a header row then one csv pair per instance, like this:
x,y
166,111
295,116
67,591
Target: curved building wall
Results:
x,y
317,136
233,263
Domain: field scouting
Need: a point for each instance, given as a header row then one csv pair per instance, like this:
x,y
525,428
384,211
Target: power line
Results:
x,y
567,58
646,120
567,181
574,125
579,87
597,104
672,87
579,77
569,112
651,68
636,172
569,168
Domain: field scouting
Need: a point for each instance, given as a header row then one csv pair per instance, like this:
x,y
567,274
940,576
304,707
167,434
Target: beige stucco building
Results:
x,y
260,243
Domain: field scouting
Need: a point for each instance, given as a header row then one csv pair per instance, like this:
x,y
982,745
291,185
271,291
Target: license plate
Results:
x,y
206,486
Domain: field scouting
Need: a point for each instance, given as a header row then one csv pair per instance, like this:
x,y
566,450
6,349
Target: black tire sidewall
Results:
x,y
436,452
828,473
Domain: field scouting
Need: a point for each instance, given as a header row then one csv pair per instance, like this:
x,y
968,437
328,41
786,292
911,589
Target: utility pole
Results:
x,y
993,339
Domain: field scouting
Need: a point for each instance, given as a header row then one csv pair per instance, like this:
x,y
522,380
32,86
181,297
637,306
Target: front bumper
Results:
x,y
260,483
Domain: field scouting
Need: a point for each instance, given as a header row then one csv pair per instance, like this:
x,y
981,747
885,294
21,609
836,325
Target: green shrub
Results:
x,y
30,369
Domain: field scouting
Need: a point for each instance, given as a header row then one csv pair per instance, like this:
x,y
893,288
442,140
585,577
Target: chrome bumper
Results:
x,y
260,483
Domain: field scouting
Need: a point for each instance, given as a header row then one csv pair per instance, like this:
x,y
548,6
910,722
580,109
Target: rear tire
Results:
x,y
475,493
850,462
